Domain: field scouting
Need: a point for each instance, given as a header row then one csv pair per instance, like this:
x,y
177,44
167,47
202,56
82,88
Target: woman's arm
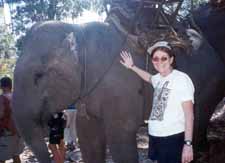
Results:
x,y
187,154
127,61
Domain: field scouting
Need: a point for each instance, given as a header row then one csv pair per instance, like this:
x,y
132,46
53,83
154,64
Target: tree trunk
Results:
x,y
52,9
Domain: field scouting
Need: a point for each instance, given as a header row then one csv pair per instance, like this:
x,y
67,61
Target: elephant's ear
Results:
x,y
195,38
69,44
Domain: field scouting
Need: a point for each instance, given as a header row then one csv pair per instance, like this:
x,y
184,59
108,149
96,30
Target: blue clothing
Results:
x,y
71,107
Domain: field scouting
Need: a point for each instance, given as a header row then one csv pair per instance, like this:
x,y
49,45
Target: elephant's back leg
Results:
x,y
121,125
91,137
122,145
122,118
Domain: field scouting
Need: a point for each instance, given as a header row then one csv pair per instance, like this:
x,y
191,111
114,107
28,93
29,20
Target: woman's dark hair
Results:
x,y
6,82
166,50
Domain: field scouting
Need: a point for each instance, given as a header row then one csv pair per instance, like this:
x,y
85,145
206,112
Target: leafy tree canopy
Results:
x,y
29,12
7,43
7,52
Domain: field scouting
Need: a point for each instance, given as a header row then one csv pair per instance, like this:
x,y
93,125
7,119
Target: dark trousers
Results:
x,y
166,149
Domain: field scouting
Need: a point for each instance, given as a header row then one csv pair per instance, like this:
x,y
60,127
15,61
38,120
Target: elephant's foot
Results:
x,y
38,146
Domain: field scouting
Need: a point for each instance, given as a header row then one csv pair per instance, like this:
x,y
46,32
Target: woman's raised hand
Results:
x,y
126,60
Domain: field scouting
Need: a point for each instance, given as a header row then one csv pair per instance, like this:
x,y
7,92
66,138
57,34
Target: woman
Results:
x,y
171,120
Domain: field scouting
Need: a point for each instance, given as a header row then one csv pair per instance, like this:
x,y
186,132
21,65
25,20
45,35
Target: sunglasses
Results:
x,y
157,59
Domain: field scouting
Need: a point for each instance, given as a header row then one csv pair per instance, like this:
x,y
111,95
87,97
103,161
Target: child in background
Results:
x,y
56,137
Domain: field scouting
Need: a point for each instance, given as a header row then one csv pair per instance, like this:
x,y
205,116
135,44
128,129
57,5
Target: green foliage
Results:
x,y
29,12
189,5
7,43
71,8
98,5
7,67
198,2
7,52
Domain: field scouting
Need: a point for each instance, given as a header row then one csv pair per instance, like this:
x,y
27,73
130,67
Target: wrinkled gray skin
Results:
x,y
48,78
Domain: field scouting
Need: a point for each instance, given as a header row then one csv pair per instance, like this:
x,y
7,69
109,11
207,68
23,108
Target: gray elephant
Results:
x,y
62,64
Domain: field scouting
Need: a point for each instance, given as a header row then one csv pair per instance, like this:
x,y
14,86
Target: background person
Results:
x,y
171,120
11,144
56,125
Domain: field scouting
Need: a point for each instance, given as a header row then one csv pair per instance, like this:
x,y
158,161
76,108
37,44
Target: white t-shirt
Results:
x,y
167,116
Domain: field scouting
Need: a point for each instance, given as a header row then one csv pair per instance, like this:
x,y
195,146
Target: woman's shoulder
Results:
x,y
183,80
181,75
155,76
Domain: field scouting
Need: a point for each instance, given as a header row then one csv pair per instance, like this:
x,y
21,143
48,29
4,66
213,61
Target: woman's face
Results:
x,y
162,62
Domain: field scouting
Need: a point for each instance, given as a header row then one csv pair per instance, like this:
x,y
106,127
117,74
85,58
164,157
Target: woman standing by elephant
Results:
x,y
171,120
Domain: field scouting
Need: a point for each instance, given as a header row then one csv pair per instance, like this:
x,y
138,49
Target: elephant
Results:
x,y
63,64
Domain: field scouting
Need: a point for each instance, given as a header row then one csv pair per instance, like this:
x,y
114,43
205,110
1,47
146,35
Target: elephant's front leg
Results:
x,y
34,138
91,139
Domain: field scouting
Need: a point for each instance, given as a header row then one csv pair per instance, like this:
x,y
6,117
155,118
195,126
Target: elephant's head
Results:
x,y
49,79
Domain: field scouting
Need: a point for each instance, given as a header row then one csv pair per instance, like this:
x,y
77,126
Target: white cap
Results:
x,y
158,44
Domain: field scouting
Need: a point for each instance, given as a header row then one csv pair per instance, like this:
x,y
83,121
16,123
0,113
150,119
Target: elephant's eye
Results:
x,y
37,77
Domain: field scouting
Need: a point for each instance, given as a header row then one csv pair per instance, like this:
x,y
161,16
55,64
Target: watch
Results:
x,y
188,142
